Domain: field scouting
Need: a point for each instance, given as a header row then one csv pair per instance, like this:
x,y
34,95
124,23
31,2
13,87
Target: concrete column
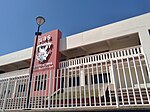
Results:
x,y
145,42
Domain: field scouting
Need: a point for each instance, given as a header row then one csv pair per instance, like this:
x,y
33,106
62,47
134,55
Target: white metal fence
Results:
x,y
13,92
113,79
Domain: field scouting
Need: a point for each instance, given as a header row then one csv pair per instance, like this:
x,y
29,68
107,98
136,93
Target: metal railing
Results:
x,y
114,79
13,92
116,54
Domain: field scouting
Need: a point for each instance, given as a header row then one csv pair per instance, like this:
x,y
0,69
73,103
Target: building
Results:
x,y
103,68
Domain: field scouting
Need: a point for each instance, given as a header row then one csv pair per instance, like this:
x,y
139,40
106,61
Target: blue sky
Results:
x,y
17,17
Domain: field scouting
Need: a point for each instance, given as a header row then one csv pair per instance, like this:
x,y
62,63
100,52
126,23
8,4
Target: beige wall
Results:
x,y
145,42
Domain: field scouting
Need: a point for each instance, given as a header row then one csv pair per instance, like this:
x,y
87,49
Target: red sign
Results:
x,y
46,60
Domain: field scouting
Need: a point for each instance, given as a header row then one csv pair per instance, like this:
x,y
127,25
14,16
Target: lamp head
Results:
x,y
40,20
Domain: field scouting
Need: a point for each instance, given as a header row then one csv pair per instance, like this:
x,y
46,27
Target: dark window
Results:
x,y
70,83
39,81
86,80
101,79
21,88
41,86
62,82
74,79
35,83
38,86
45,82
18,88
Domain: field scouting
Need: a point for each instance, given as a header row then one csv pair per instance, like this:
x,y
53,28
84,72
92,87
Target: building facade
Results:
x,y
103,68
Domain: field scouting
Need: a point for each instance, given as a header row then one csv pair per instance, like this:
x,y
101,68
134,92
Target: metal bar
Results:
x,y
115,84
2,86
84,88
42,93
108,82
80,89
72,86
93,86
9,96
16,95
53,84
124,74
13,94
64,87
25,92
36,92
99,94
60,88
103,84
5,99
118,72
32,94
132,84
89,84
49,89
76,85
68,89
22,86
19,94
22,93
145,84
136,74
39,95
46,89
56,87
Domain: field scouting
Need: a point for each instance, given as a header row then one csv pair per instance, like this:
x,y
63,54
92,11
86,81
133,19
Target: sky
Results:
x,y
18,25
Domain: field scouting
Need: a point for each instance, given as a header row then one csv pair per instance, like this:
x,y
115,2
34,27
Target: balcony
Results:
x,y
114,79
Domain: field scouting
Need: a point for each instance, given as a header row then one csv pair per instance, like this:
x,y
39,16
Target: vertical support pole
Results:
x,y
5,99
115,85
31,68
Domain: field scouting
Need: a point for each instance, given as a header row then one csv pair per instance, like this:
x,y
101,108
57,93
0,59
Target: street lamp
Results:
x,y
40,21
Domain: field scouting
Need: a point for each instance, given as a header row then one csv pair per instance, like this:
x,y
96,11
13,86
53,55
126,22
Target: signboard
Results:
x,y
46,60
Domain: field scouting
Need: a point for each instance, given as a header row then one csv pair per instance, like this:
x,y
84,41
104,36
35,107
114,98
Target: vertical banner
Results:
x,y
47,59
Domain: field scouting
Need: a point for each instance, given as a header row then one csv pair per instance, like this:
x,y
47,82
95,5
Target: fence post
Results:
x,y
5,98
50,88
115,85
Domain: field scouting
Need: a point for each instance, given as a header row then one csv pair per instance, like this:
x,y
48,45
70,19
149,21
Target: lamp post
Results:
x,y
40,21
